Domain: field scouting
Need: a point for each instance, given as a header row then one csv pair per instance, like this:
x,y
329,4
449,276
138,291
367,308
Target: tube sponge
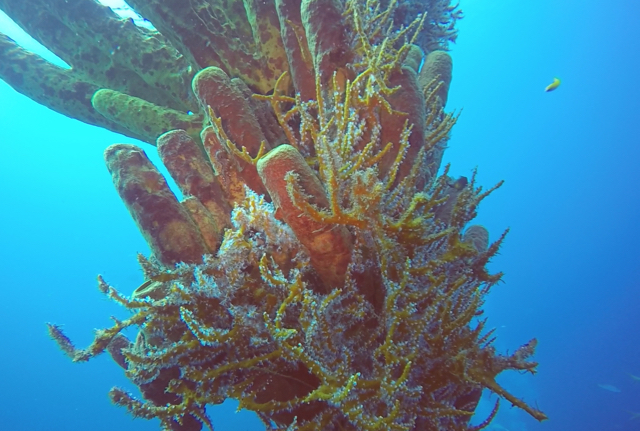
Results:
x,y
142,117
329,245
165,225
437,65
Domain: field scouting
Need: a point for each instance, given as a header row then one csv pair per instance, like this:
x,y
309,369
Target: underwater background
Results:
x,y
571,161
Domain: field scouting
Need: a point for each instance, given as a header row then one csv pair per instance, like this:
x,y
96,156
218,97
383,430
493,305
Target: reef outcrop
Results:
x,y
320,268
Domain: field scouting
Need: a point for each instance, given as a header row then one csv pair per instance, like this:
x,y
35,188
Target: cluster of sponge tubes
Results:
x,y
363,311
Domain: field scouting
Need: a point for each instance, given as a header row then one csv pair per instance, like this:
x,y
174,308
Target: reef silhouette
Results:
x,y
319,269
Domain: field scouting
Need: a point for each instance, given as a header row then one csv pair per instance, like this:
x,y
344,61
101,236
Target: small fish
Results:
x,y
610,388
460,183
555,84
636,378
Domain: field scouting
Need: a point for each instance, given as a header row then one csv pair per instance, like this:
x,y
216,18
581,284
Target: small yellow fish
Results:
x,y
555,84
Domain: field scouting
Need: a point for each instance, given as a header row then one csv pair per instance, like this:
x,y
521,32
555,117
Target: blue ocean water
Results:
x,y
571,161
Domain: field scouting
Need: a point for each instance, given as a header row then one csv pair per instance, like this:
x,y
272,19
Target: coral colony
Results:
x,y
319,270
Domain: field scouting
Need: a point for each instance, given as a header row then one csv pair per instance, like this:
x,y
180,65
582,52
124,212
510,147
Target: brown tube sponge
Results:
x,y
437,65
165,225
209,229
227,169
235,124
296,47
408,99
263,112
329,245
414,58
193,173
214,88
328,36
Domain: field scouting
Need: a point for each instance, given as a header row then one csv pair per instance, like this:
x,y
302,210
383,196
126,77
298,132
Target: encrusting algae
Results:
x,y
318,270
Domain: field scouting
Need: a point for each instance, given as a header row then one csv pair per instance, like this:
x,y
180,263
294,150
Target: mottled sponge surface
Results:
x,y
151,69
102,51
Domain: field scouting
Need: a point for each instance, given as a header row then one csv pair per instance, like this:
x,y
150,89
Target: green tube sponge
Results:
x,y
414,58
106,50
143,118
55,87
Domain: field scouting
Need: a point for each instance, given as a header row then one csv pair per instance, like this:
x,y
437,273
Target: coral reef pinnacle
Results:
x,y
321,267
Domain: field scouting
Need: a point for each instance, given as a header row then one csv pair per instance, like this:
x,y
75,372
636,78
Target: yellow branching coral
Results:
x,y
350,296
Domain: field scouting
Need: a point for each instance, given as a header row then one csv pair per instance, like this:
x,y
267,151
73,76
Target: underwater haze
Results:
x,y
570,159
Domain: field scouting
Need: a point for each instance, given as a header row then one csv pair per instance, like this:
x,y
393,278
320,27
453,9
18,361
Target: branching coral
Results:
x,y
345,291
442,17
